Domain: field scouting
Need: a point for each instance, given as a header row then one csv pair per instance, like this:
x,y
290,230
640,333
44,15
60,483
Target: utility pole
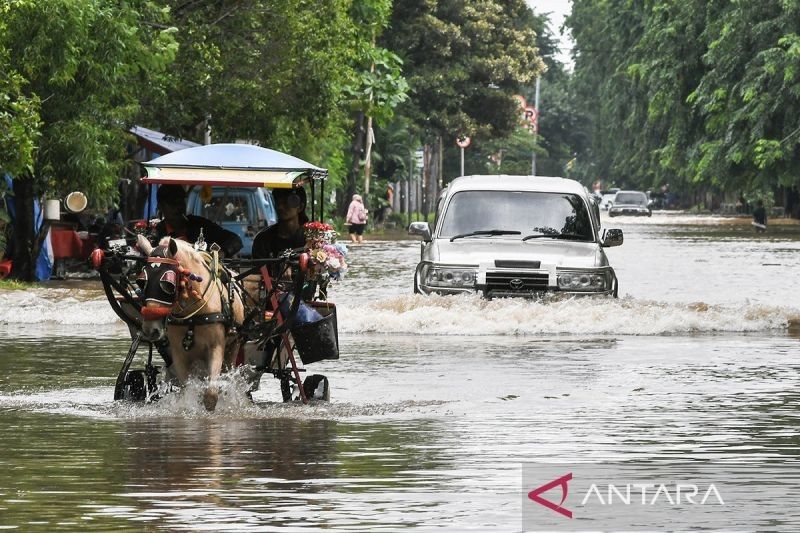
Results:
x,y
535,126
408,184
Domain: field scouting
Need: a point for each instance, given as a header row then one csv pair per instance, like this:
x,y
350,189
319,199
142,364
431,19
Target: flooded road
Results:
x,y
436,402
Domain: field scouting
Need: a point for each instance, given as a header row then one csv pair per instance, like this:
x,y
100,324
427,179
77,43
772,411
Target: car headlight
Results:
x,y
450,276
589,281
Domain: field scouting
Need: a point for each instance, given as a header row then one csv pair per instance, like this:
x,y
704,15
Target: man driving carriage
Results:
x,y
177,224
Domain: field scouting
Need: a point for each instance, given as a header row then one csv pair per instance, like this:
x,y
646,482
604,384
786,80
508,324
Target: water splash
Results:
x,y
457,315
471,315
56,306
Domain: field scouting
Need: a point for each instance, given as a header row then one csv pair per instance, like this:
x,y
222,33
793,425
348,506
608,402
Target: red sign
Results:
x,y
463,142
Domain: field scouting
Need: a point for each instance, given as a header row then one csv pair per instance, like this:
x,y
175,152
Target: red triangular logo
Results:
x,y
562,482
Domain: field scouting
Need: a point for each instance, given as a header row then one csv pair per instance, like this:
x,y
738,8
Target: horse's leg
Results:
x,y
231,353
216,355
180,361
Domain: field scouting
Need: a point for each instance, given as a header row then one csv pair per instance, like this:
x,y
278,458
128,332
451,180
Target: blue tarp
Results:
x,y
44,263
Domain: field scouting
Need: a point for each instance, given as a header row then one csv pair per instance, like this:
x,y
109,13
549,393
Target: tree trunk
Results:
x,y
431,176
23,229
359,137
368,160
792,202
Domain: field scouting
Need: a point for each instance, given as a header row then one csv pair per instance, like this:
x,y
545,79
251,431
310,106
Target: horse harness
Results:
x,y
174,277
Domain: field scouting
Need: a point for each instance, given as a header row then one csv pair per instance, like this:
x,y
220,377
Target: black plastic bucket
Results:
x,y
318,340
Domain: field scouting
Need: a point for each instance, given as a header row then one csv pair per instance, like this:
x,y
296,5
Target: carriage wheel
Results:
x,y
286,390
316,387
135,386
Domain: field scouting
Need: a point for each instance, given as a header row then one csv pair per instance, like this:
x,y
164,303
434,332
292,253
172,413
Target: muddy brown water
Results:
x,y
436,402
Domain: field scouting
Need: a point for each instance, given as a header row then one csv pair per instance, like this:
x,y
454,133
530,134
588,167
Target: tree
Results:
x,y
700,93
562,125
87,63
749,97
268,71
375,90
464,63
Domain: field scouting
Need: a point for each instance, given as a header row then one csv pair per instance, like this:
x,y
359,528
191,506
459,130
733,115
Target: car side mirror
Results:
x,y
612,237
420,228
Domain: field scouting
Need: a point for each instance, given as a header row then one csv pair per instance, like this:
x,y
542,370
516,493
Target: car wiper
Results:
x,y
486,232
566,236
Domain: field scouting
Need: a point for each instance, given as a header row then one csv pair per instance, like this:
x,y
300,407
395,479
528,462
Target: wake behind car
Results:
x,y
515,236
633,203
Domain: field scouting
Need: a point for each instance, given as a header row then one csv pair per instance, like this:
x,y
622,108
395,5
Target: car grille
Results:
x,y
516,282
629,211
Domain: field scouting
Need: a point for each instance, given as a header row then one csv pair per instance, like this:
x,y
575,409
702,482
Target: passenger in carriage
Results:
x,y
176,223
288,232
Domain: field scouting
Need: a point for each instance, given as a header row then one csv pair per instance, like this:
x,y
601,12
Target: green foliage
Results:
x,y
82,67
268,71
562,128
19,113
378,85
464,63
15,285
691,92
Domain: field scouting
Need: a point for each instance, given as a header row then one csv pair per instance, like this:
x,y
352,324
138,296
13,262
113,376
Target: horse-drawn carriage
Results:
x,y
199,311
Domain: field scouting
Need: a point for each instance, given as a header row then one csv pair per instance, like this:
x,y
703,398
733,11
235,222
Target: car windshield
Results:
x,y
517,214
637,198
228,206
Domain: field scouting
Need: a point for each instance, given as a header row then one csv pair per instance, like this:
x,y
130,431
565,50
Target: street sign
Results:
x,y
530,114
463,142
419,157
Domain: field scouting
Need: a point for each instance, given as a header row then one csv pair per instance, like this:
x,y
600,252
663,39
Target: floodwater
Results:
x,y
436,402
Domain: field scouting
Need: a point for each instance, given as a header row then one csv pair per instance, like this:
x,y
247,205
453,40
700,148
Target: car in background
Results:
x,y
515,236
630,203
242,210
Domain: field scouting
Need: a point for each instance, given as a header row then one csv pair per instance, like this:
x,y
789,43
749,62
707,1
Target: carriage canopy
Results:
x,y
243,165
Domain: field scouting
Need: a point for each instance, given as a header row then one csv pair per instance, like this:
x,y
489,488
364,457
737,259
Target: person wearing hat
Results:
x,y
357,219
288,233
177,224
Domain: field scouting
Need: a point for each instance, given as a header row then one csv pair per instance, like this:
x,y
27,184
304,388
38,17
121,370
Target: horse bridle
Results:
x,y
172,277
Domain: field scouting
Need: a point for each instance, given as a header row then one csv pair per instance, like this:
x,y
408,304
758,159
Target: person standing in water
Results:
x,y
760,217
357,219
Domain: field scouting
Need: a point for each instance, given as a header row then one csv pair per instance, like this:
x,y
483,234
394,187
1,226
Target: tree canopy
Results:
x,y
693,92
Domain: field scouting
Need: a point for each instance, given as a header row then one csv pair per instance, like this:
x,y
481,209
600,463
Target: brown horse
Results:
x,y
186,300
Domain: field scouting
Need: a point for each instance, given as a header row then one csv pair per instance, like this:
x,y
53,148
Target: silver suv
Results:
x,y
515,236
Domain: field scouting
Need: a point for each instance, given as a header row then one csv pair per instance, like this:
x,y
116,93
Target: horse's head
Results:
x,y
161,281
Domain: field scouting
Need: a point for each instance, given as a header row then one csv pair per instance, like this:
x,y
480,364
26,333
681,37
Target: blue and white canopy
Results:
x,y
231,165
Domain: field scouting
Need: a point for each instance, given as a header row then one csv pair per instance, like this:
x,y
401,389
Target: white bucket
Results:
x,y
52,209
75,202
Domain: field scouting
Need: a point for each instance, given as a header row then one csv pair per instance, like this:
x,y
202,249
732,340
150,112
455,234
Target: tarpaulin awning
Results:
x,y
158,142
231,165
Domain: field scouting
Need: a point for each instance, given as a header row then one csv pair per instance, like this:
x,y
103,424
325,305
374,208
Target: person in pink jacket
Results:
x,y
357,219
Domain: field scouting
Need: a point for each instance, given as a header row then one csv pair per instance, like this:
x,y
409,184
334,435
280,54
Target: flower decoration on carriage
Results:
x,y
148,228
328,257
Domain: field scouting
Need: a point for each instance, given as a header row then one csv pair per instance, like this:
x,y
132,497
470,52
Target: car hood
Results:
x,y
481,250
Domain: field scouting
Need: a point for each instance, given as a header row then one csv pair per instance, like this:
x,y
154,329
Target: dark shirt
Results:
x,y
268,244
760,215
228,241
